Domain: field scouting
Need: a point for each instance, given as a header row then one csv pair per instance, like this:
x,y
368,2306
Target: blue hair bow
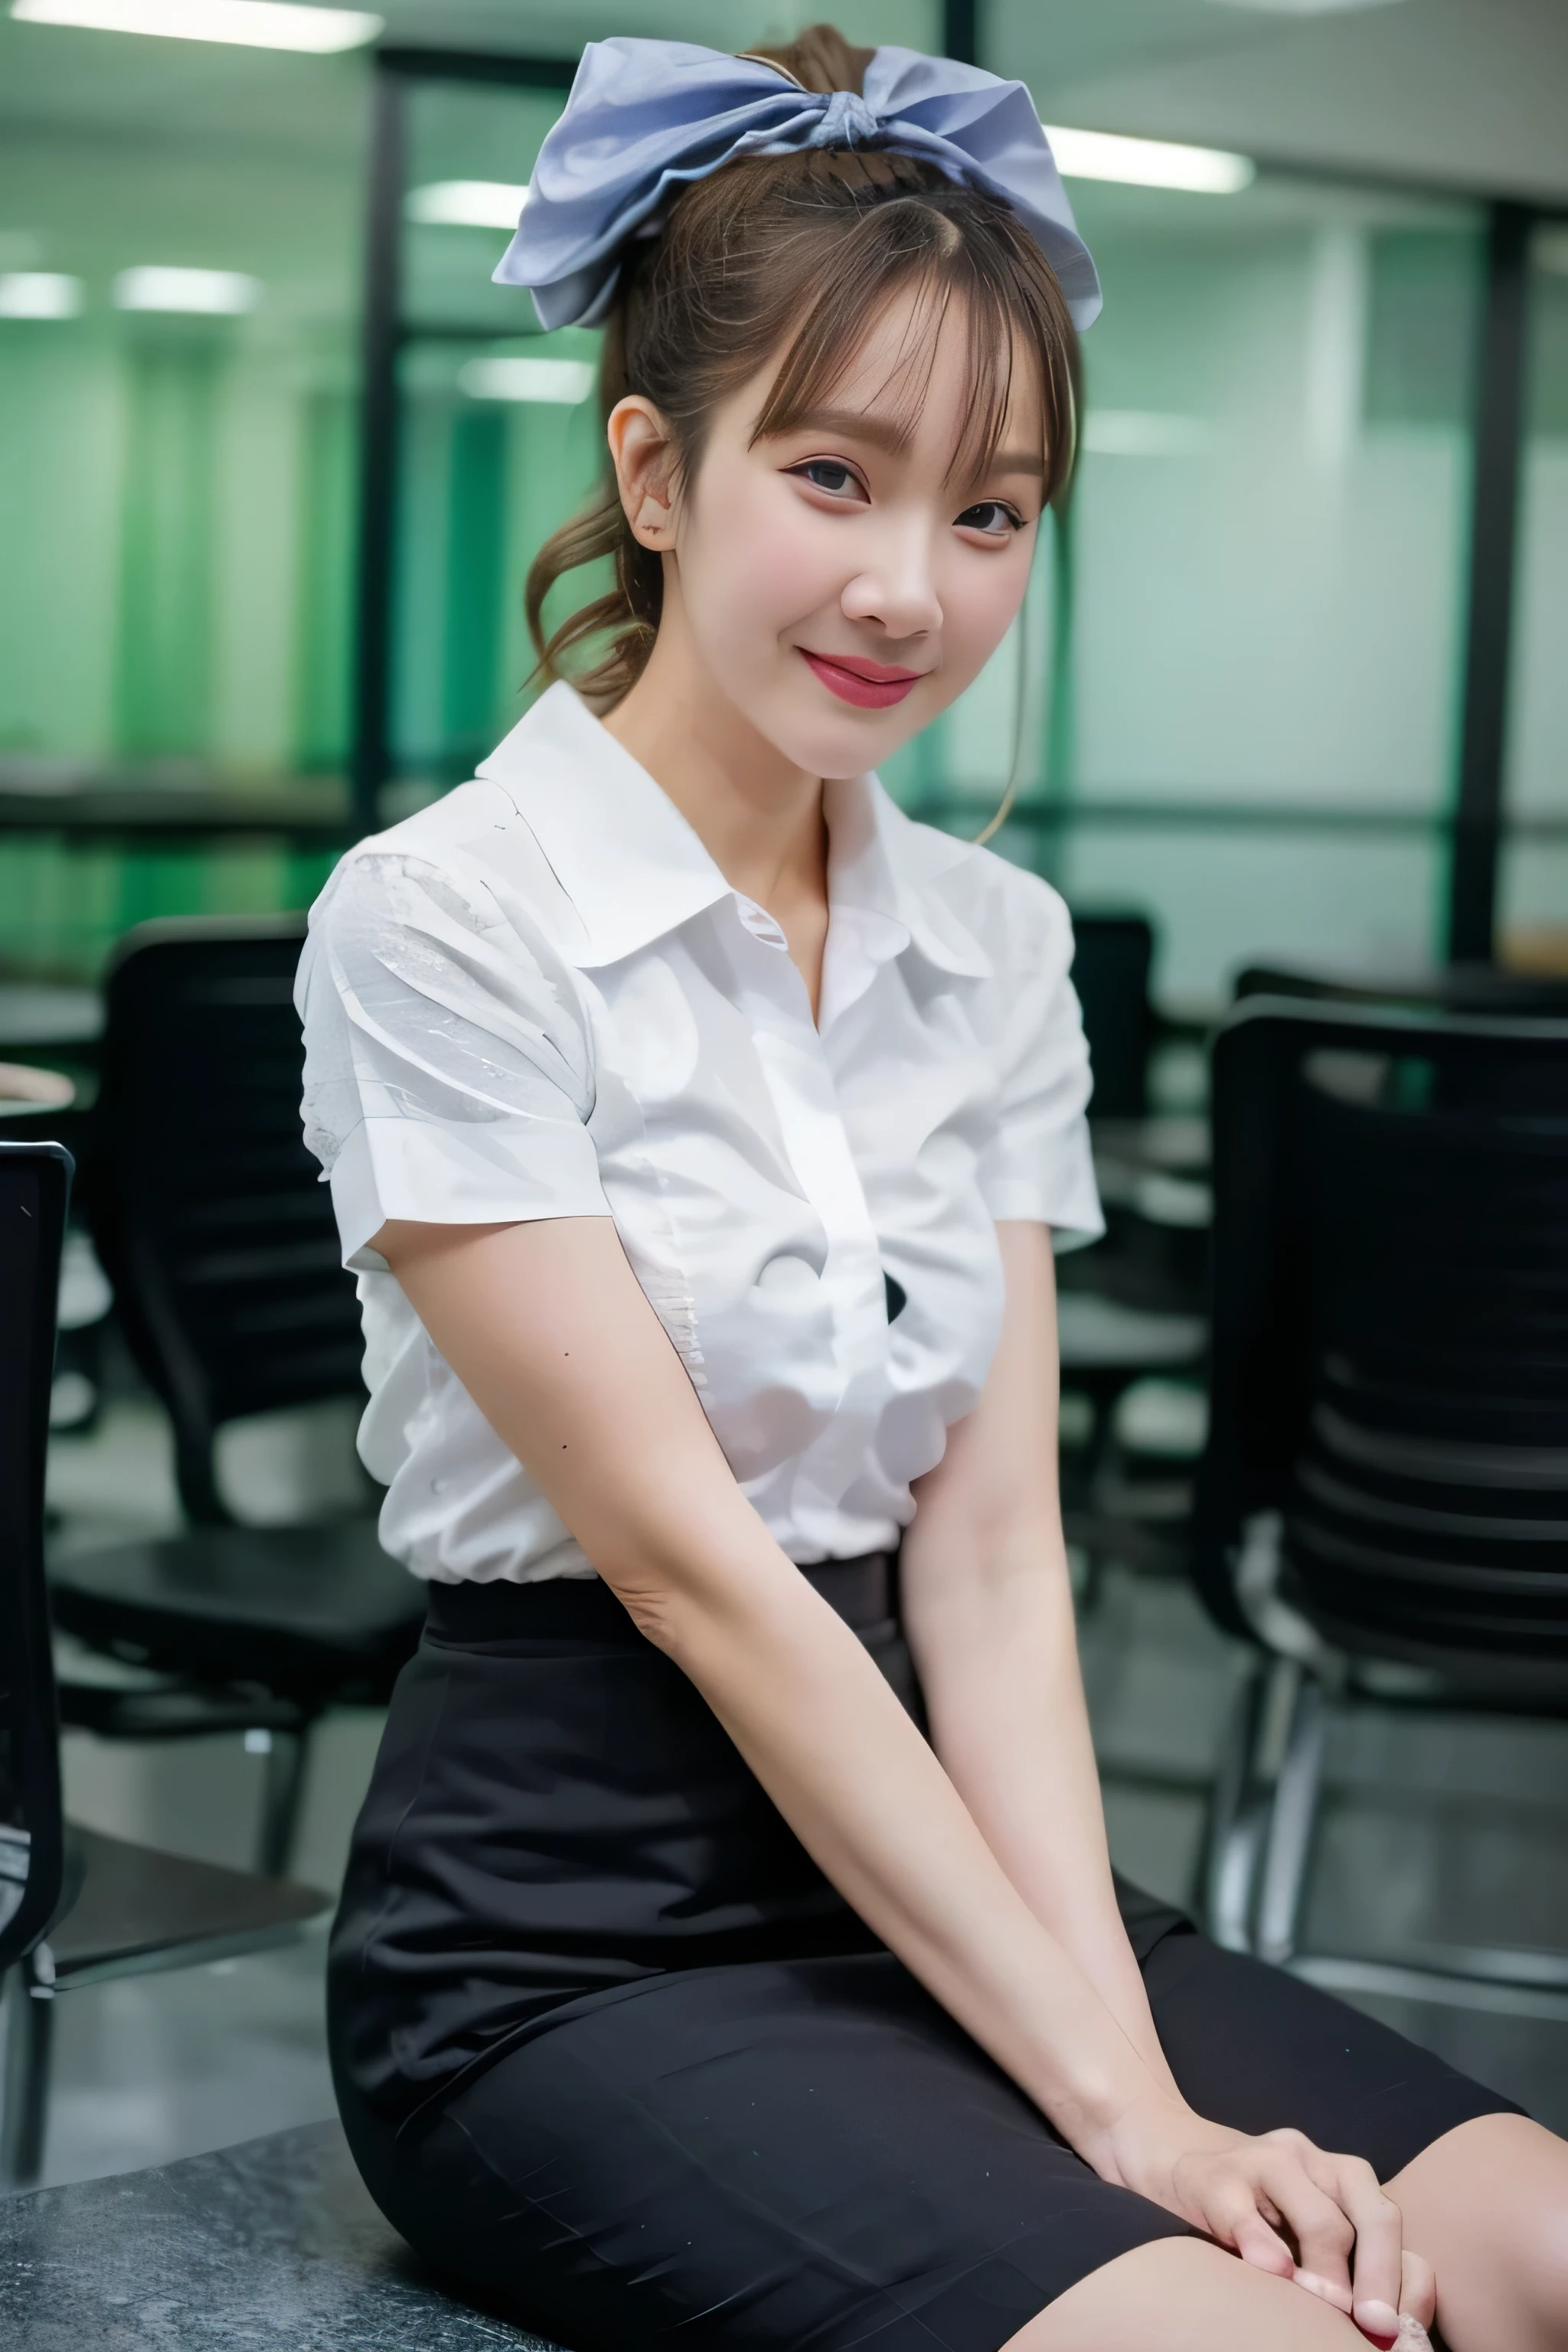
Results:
x,y
645,116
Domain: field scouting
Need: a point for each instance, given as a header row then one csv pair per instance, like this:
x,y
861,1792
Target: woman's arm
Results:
x,y
989,1615
549,1331
546,1327
988,1610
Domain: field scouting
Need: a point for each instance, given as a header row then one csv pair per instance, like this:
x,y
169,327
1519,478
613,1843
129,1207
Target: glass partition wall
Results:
x,y
179,290
1533,882
496,435
1250,716
242,562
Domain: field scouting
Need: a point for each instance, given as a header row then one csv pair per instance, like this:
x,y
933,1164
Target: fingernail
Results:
x,y
1377,2319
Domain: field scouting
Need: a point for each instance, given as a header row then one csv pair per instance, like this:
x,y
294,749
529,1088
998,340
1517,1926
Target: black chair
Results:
x,y
37,1100
219,1239
1131,1310
1450,988
1382,1504
75,1907
1113,956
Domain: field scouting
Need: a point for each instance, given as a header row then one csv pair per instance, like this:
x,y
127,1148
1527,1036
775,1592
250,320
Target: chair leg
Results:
x,y
1091,1591
1233,1835
1291,1821
29,2017
283,1794
1242,1839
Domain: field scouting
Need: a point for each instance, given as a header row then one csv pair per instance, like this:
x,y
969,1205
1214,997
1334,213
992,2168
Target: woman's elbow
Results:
x,y
659,1595
656,1613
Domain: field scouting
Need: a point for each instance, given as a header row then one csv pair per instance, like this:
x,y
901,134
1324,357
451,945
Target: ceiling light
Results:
x,y
39,294
220,293
1302,8
247,24
467,203
1149,162
565,380
1144,432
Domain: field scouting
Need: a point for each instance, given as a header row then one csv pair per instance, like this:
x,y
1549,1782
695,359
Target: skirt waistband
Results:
x,y
864,1592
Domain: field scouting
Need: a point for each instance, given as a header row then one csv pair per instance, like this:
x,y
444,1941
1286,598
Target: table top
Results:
x,y
34,1015
274,2246
310,816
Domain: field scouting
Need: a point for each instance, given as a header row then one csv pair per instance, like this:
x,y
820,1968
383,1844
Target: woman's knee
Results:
x,y
1182,2294
1529,2250
1487,2204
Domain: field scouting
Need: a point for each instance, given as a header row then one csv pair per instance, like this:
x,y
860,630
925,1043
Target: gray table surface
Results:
x,y
273,2246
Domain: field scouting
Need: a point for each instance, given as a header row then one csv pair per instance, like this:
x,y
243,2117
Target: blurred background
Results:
x,y
1286,711
1246,671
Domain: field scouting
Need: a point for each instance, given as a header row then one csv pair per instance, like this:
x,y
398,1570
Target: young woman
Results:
x,y
729,1955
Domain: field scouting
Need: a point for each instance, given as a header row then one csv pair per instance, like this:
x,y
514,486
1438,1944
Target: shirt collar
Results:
x,y
889,870
621,850
634,869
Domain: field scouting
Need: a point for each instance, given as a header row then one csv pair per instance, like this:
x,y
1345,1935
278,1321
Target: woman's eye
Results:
x,y
829,474
991,517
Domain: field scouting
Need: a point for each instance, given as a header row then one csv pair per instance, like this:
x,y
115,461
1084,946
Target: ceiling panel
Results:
x,y
133,92
1471,93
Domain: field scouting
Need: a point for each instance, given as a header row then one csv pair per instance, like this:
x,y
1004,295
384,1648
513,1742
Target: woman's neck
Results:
x,y
759,817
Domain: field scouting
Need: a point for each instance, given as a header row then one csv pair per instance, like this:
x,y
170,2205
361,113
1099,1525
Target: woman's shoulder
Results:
x,y
472,852
456,906
481,850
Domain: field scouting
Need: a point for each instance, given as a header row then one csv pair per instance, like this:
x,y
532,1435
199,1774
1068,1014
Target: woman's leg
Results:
x,y
1180,2295
1255,2048
1487,2205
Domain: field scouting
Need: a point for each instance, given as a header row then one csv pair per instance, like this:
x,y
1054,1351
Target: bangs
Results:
x,y
1007,319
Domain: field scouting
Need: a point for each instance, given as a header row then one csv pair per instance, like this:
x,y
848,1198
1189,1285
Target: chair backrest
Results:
x,y
35,1183
206,1207
1390,1339
1450,988
1111,963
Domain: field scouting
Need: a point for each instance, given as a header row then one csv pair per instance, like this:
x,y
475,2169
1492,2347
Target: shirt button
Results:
x,y
787,1274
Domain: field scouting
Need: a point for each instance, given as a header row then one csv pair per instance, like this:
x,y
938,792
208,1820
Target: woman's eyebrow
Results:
x,y
853,425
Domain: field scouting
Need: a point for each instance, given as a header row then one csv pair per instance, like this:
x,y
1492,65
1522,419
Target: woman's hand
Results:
x,y
1281,2203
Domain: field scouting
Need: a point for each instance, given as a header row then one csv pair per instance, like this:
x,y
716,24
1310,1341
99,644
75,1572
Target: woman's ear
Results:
x,y
644,457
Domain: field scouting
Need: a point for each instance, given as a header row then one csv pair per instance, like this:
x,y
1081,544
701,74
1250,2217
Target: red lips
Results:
x,y
870,686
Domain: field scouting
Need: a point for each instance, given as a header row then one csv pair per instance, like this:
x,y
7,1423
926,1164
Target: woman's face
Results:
x,y
841,583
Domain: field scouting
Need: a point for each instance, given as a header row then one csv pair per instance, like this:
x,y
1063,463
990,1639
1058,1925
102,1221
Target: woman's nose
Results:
x,y
896,589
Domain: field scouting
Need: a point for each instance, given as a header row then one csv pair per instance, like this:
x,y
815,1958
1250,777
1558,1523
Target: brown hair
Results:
x,y
818,242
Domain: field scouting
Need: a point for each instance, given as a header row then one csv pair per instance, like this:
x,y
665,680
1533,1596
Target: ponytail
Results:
x,y
627,614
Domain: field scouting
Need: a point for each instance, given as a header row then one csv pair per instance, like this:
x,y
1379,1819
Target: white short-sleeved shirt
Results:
x,y
540,998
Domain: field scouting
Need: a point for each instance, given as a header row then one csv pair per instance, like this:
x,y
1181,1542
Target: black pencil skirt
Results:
x,y
610,2050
